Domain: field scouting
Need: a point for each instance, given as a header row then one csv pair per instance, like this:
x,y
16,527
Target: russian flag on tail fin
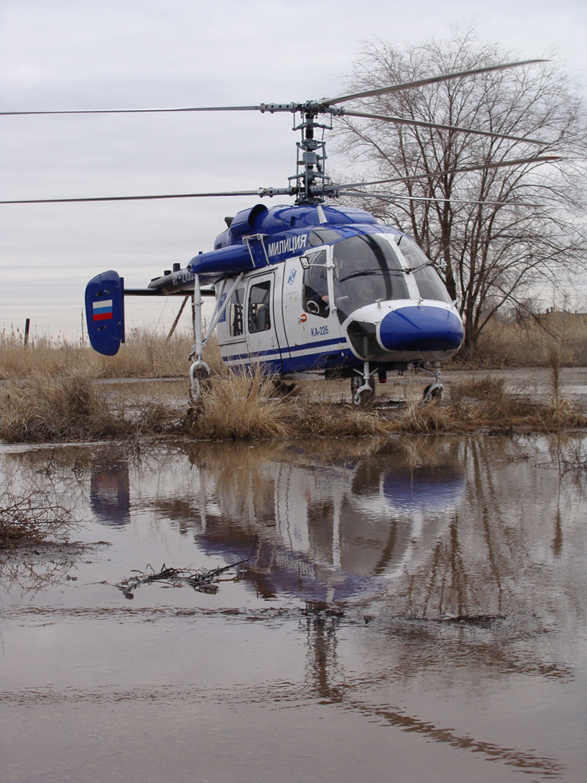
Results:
x,y
102,311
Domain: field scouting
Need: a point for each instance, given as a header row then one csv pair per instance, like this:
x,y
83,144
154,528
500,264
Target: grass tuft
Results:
x,y
43,408
433,417
332,420
236,406
72,408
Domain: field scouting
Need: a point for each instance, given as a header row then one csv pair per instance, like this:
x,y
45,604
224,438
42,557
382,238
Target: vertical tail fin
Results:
x,y
105,312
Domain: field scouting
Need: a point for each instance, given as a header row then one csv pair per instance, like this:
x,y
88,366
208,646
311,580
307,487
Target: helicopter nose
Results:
x,y
421,328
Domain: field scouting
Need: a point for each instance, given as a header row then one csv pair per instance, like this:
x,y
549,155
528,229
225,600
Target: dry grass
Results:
x,y
72,408
50,396
336,420
485,403
418,418
148,354
144,355
239,407
55,409
235,406
533,342
246,407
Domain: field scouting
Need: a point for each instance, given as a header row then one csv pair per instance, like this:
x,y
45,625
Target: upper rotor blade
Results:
x,y
423,124
135,111
480,167
260,192
430,80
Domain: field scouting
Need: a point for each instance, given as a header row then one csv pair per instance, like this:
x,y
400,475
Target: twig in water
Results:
x,y
202,580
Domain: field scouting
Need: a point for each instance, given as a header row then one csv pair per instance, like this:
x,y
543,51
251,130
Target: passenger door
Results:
x,y
262,342
312,329
231,331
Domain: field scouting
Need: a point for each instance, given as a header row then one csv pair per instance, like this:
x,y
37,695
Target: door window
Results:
x,y
236,313
315,297
259,298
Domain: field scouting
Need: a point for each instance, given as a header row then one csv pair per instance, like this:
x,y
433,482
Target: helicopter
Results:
x,y
309,287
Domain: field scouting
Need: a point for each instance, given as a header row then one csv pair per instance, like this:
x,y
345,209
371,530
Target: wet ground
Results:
x,y
532,382
409,610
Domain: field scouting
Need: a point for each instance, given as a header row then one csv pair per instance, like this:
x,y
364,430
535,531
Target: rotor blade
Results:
x,y
136,111
480,167
260,192
394,197
423,124
430,80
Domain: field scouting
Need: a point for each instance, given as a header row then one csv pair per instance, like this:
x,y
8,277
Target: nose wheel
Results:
x,y
434,390
362,386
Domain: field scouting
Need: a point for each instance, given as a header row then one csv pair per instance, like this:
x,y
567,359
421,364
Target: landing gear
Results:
x,y
434,390
199,371
363,385
283,388
199,374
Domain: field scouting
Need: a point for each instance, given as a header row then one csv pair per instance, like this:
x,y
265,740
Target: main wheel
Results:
x,y
199,380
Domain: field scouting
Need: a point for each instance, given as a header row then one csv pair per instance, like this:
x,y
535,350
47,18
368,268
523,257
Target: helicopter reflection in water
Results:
x,y
325,527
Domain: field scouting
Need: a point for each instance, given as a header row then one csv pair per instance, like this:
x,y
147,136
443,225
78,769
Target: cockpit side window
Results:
x,y
315,299
366,269
430,286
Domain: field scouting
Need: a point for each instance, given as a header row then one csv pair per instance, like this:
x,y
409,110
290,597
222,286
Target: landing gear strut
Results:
x,y
363,385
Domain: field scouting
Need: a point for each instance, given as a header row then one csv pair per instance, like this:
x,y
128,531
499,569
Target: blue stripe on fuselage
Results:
x,y
292,349
287,362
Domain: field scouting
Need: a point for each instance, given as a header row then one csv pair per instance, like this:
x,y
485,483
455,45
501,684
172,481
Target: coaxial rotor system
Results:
x,y
310,184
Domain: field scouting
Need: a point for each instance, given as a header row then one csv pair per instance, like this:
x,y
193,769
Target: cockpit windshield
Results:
x,y
366,268
430,286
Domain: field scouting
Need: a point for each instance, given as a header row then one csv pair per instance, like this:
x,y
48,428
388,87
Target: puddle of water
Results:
x,y
411,609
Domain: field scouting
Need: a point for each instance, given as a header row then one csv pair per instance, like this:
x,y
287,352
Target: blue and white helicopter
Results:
x,y
309,287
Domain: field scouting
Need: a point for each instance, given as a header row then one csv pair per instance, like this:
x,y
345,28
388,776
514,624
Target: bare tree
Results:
x,y
493,234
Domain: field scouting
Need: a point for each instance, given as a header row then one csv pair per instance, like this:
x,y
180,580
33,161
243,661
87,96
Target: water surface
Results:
x,y
411,609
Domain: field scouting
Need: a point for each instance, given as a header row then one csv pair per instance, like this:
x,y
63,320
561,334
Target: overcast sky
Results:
x,y
108,54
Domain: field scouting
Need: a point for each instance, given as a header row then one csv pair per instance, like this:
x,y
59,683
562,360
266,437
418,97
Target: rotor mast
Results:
x,y
310,177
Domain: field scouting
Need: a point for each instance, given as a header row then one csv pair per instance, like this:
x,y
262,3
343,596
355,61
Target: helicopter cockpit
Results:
x,y
367,269
387,297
